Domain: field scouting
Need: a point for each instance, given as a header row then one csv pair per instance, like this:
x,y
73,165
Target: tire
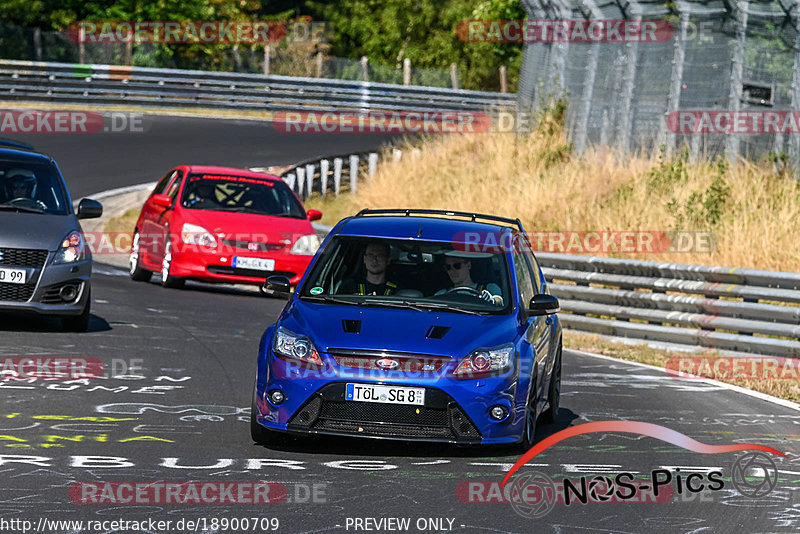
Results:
x,y
259,434
529,429
554,391
136,272
167,280
78,323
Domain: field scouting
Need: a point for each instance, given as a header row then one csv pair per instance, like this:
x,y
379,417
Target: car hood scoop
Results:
x,y
437,332
351,326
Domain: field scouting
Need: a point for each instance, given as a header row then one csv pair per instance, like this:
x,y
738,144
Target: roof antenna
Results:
x,y
419,231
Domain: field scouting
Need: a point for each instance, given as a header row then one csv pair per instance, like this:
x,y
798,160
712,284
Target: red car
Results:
x,y
218,224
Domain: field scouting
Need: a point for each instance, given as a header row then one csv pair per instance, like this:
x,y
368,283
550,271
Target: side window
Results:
x,y
172,190
162,183
526,287
534,267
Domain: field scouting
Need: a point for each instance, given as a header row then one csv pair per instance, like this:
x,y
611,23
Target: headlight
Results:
x,y
72,249
295,347
191,234
486,362
307,245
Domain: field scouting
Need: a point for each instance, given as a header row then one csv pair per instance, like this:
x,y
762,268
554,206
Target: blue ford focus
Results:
x,y
414,325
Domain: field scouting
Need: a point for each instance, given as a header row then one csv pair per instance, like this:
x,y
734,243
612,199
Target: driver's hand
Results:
x,y
494,299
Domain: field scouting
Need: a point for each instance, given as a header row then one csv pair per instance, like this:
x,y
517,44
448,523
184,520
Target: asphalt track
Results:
x,y
173,406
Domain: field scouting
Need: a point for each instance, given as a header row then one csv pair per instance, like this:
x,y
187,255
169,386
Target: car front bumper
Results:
x,y
41,293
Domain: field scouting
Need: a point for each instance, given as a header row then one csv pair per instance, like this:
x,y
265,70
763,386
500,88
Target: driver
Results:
x,y
376,258
458,269
20,183
203,194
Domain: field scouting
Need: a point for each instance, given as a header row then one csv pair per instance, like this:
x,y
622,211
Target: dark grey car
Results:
x,y
45,262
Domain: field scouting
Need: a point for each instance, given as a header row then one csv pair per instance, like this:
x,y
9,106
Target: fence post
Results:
x,y
319,64
585,110
301,181
353,174
290,180
454,75
625,122
309,179
129,52
337,175
37,43
82,45
267,54
237,61
323,175
406,71
365,68
737,68
372,164
397,154
666,136
503,84
794,140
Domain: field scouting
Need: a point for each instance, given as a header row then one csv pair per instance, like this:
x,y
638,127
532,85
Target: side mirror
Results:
x,y
89,209
164,201
277,286
543,304
314,215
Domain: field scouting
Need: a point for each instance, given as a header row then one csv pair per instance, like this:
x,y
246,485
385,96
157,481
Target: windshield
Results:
x,y
424,275
241,194
31,186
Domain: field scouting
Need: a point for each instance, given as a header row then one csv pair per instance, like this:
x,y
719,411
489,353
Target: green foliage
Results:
x,y
670,172
703,208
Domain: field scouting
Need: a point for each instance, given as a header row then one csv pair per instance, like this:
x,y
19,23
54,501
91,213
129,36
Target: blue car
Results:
x,y
413,325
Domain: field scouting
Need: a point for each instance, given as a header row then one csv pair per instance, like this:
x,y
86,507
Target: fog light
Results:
x,y
276,396
68,293
498,413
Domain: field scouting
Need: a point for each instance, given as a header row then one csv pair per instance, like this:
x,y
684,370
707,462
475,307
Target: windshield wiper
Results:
x,y
21,208
331,299
442,307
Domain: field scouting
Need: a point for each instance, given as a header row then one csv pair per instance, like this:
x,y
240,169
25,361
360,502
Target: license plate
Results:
x,y
257,264
12,276
385,394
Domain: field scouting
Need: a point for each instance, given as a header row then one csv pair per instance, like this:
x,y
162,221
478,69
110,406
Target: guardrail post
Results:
x,y
290,180
454,75
406,71
353,173
267,54
372,164
397,154
365,68
323,176
337,175
309,179
301,181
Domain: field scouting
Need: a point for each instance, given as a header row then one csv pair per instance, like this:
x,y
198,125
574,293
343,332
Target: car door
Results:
x,y
149,212
161,216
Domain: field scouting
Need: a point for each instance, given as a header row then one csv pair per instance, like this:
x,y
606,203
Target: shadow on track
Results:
x,y
31,322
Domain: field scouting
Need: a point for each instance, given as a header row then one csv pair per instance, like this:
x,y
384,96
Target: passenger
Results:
x,y
458,269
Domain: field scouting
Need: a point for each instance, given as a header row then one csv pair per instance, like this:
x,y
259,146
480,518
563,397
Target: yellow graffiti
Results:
x,y
146,438
93,419
11,438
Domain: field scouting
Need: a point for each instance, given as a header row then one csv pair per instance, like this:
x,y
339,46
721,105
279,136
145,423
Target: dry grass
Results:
x,y
125,222
750,210
782,388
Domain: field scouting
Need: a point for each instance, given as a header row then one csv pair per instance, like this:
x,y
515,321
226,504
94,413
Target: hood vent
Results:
x,y
437,332
351,326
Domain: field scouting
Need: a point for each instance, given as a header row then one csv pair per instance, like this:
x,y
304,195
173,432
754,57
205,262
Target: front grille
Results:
x,y
22,257
226,269
440,418
257,245
16,292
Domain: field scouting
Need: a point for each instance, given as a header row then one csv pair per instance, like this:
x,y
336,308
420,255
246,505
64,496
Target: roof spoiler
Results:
x,y
442,213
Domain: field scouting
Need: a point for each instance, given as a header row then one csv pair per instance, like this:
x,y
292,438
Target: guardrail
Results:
x,y
109,84
742,310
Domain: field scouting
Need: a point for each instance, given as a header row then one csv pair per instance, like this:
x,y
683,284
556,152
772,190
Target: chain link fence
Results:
x,y
723,56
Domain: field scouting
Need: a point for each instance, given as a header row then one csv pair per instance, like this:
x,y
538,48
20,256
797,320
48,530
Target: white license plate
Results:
x,y
386,394
12,276
257,264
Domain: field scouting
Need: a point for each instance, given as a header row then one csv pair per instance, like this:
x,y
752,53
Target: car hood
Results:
x,y
244,226
332,326
35,230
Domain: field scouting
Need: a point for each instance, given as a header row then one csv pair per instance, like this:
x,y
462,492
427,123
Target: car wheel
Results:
x,y
79,323
554,392
137,273
261,435
167,280
529,430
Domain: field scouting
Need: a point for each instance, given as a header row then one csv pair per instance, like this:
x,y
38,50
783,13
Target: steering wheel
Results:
x,y
38,203
465,289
